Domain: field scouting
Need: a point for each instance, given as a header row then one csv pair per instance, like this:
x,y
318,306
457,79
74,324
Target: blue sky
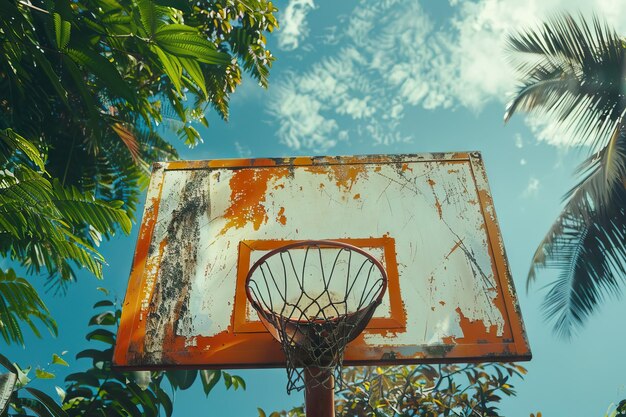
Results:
x,y
403,76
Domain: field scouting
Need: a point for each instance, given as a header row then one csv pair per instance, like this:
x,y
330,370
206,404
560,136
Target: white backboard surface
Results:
x,y
429,218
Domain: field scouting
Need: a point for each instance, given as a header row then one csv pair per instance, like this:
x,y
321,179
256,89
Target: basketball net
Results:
x,y
314,297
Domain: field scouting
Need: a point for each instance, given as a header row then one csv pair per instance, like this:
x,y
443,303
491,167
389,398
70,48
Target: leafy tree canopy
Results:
x,y
85,89
425,390
101,390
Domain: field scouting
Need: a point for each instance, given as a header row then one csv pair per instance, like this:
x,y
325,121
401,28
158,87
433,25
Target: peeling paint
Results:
x,y
248,193
281,216
454,298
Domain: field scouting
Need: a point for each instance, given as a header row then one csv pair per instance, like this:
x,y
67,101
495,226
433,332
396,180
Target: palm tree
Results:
x,y
572,71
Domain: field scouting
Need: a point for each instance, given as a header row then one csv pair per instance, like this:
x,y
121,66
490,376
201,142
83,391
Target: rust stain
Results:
x,y
345,176
432,183
406,167
377,169
460,155
476,331
357,196
455,247
248,188
438,206
302,160
281,216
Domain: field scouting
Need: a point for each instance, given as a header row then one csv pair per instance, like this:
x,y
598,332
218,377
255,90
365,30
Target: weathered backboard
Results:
x,y
429,218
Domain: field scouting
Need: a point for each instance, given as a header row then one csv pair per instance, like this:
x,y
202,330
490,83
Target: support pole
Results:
x,y
319,398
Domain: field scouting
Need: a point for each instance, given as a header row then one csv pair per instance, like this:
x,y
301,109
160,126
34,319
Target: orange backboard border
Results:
x,y
129,350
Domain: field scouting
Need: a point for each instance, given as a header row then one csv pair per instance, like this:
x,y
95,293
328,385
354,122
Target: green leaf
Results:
x,y
106,318
195,72
57,360
41,374
104,303
101,335
20,303
171,67
62,30
95,355
60,392
142,378
228,380
186,41
165,401
148,15
103,69
240,382
103,290
209,379
50,404
83,378
85,208
54,79
22,375
182,5
4,361
7,385
182,379
13,142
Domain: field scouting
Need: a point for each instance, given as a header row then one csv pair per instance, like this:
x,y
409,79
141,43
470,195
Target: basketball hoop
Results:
x,y
216,238
314,297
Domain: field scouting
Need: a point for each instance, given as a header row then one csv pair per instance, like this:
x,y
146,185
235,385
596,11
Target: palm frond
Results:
x,y
84,209
587,244
571,71
20,304
13,145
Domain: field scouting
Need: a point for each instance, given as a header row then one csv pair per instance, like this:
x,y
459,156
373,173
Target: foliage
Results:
x,y
424,390
85,88
101,390
619,411
571,71
86,84
19,302
44,225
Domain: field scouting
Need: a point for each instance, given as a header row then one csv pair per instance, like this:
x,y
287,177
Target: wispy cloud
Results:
x,y
243,151
302,122
293,24
532,189
394,57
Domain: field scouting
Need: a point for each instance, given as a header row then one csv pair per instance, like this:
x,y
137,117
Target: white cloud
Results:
x,y
302,124
242,150
522,162
532,188
293,24
519,141
368,83
395,56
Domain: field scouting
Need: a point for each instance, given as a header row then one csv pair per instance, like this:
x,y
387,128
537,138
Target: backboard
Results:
x,y
428,218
